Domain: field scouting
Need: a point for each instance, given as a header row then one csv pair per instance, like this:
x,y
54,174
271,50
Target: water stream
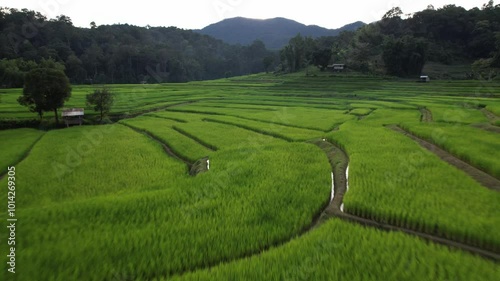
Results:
x,y
346,186
333,189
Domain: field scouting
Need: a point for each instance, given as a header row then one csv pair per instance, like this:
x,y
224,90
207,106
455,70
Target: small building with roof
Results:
x,y
425,78
73,116
337,67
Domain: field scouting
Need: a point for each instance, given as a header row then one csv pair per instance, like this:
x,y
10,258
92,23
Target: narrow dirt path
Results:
x,y
339,162
480,176
426,116
194,138
195,168
122,117
487,127
24,156
490,115
361,117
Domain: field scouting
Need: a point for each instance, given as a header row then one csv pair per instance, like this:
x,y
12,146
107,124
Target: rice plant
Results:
x,y
15,144
393,180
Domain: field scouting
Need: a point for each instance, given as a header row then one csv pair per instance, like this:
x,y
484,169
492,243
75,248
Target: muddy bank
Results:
x,y
340,165
194,169
426,115
480,176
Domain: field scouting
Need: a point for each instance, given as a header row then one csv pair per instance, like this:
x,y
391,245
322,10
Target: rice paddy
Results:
x,y
118,202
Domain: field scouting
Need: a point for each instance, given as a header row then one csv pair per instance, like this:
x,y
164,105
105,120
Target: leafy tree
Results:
x,y
392,23
405,56
101,100
75,70
321,58
341,46
268,62
32,103
12,72
52,64
483,40
123,53
298,53
92,58
395,12
496,53
45,89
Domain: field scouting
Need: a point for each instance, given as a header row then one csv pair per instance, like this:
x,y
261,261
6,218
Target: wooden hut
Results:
x,y
73,116
425,78
337,67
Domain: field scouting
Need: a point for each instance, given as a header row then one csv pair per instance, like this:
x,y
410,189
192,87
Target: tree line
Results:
x,y
398,45
119,53
401,44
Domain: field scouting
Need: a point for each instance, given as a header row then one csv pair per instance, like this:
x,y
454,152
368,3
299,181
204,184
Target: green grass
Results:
x,y
162,129
85,162
361,111
222,136
344,251
129,99
456,114
271,129
391,116
15,144
494,108
475,146
307,118
107,203
394,180
129,211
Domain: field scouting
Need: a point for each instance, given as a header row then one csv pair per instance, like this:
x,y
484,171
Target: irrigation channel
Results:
x,y
339,162
490,115
477,174
195,168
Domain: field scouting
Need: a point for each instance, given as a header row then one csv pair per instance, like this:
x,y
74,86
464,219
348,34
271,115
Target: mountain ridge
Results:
x,y
274,32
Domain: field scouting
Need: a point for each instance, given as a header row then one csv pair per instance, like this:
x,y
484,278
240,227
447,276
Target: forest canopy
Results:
x,y
398,44
118,53
401,44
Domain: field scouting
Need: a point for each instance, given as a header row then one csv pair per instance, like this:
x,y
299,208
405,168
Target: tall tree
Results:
x,y
45,89
321,58
405,56
268,62
101,100
298,53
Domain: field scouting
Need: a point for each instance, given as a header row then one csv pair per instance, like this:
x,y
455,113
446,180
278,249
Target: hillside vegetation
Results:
x,y
459,43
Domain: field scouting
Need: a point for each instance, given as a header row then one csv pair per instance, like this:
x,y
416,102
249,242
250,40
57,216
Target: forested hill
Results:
x,y
398,44
402,45
275,33
118,53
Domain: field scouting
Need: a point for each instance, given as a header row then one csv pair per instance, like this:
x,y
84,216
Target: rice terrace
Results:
x,y
119,202
173,155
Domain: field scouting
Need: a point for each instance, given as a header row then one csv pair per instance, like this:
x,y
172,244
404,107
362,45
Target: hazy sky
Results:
x,y
196,14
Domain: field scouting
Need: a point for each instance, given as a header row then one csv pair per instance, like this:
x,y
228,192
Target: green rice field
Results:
x,y
118,201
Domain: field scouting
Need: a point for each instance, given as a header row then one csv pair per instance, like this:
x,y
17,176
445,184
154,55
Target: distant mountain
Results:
x,y
275,33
